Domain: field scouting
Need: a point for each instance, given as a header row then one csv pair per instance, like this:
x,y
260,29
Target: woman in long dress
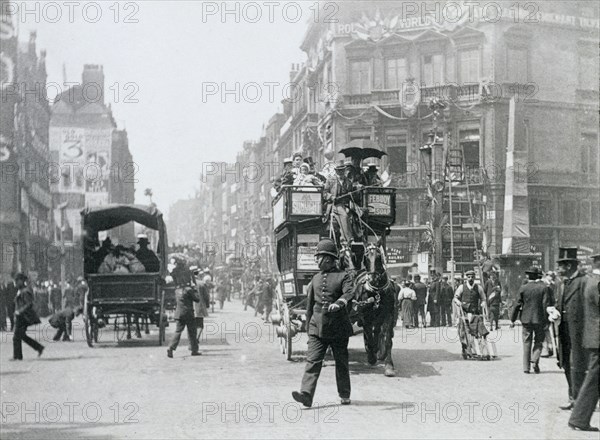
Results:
x,y
406,298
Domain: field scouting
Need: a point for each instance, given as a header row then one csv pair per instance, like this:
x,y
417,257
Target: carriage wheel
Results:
x,y
161,321
87,321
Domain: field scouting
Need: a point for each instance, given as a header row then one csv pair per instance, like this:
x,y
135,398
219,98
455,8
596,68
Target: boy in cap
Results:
x,y
62,321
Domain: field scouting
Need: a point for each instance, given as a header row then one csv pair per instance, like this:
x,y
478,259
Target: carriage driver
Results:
x,y
328,324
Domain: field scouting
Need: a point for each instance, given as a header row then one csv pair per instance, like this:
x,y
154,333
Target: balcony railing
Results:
x,y
358,99
385,96
467,92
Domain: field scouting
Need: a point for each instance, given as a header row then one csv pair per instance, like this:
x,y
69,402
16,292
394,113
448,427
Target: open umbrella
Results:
x,y
362,148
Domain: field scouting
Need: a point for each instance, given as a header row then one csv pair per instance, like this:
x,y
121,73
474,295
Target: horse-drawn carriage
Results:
x,y
122,295
300,219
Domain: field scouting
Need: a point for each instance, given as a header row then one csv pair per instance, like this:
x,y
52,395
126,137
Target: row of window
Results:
x,y
569,213
541,212
397,151
461,213
470,142
433,70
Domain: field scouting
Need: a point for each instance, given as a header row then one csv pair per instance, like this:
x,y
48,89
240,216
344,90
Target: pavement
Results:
x,y
241,388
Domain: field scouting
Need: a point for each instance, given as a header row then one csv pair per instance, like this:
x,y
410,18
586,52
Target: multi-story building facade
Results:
x,y
380,70
378,76
25,201
94,160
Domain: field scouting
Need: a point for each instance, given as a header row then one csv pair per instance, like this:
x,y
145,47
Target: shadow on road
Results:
x,y
128,343
388,406
10,373
32,431
66,358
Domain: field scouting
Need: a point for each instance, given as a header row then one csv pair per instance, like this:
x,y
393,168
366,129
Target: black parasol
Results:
x,y
362,148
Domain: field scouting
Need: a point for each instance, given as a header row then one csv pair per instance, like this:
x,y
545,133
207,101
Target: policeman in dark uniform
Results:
x,y
569,303
329,324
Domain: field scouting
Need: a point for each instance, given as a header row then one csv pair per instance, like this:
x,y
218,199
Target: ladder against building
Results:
x,y
455,165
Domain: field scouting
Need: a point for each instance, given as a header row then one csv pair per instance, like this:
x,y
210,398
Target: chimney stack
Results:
x,y
32,38
92,81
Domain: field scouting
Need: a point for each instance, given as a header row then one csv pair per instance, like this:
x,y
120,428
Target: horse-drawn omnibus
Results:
x,y
300,220
122,295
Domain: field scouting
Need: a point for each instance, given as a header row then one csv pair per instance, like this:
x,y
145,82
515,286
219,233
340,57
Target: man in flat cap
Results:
x,y
471,298
533,299
569,304
328,324
587,399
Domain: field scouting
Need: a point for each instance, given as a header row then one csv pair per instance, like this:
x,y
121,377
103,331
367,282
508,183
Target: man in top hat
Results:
x,y
146,256
311,164
371,176
587,399
334,189
569,304
533,299
329,292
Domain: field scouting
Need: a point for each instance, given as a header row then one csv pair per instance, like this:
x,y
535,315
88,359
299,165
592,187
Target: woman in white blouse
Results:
x,y
406,298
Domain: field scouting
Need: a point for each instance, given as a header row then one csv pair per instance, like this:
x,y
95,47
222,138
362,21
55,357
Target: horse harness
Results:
x,y
377,290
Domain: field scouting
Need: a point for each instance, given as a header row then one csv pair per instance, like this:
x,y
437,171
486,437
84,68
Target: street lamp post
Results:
x,y
432,158
62,207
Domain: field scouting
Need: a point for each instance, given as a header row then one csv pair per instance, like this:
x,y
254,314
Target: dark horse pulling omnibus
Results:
x,y
122,294
299,222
